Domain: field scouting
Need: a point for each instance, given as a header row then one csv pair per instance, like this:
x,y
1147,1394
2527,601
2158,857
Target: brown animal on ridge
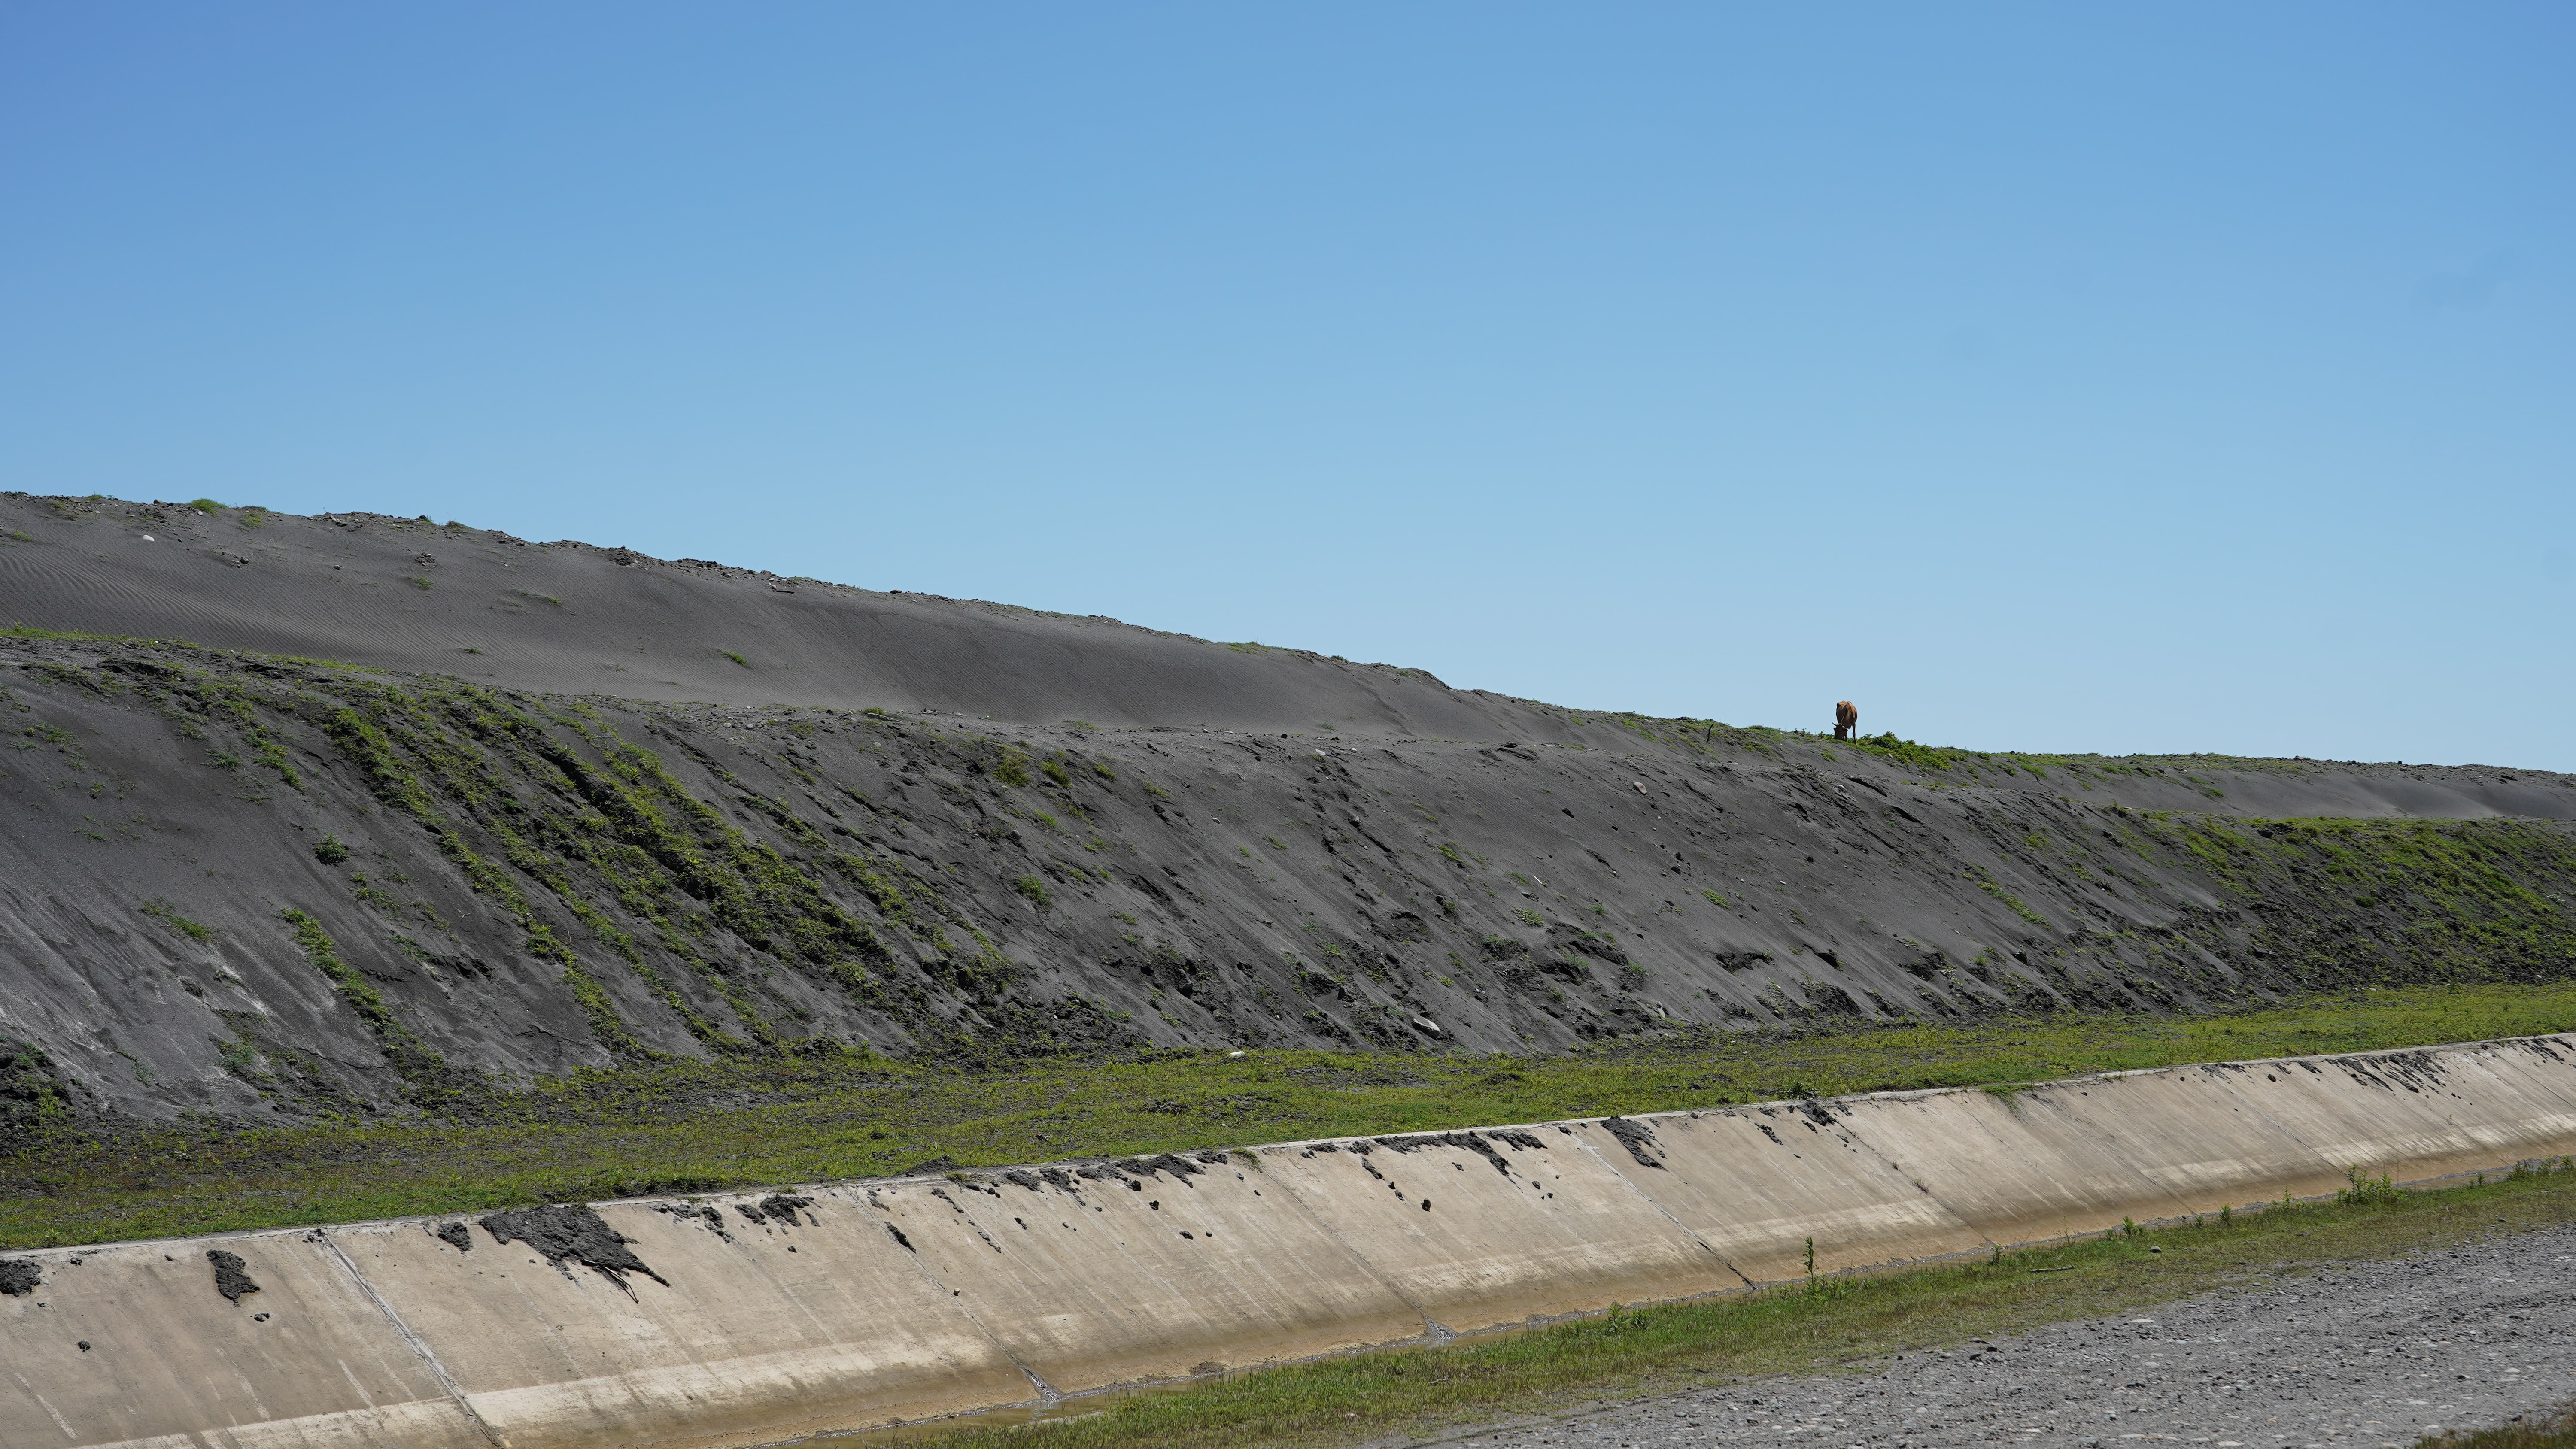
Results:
x,y
1846,719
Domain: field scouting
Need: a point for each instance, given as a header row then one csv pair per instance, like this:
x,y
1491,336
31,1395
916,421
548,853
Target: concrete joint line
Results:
x,y
1048,1394
1434,1331
55,1414
447,1381
1666,1213
2276,1124
1851,1133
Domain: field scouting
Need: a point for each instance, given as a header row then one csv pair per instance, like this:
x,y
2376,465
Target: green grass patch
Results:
x,y
1908,753
1822,1325
699,1125
2555,1429
1986,882
163,912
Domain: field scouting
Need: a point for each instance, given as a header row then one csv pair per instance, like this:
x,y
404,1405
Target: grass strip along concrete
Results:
x,y
1824,1325
705,1126
2550,1431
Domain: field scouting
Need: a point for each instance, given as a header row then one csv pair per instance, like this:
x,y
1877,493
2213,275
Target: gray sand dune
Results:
x,y
535,862
413,596
568,617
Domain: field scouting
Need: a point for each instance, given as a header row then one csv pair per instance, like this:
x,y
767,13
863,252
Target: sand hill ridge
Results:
x,y
362,814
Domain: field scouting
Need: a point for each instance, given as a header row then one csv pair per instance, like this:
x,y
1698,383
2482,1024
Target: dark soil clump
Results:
x,y
571,1231
230,1280
1635,1136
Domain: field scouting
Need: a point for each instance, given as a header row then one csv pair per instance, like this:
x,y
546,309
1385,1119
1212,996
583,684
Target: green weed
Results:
x,y
2366,1189
2547,1429
168,915
1986,882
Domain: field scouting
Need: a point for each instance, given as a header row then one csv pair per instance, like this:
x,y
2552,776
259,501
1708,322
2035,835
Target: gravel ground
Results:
x,y
2358,1354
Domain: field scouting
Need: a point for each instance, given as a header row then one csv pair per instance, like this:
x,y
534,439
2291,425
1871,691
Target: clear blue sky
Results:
x,y
2154,377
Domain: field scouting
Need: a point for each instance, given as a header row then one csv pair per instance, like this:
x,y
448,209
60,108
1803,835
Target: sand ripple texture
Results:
x,y
2363,1354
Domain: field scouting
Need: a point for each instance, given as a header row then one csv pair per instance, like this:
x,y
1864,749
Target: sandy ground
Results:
x,y
2357,1354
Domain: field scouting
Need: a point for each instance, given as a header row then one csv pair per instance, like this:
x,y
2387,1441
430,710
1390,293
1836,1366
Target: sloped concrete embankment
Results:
x,y
751,1319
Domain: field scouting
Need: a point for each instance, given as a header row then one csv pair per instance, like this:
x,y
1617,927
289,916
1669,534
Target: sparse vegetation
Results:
x,y
2366,1189
1986,882
167,915
330,851
35,1111
428,1081
2550,1429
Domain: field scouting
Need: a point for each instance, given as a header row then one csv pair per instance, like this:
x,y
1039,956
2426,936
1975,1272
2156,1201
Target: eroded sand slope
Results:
x,y
260,885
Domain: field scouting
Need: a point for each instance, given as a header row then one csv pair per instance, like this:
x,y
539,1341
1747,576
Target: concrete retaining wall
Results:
x,y
763,1317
